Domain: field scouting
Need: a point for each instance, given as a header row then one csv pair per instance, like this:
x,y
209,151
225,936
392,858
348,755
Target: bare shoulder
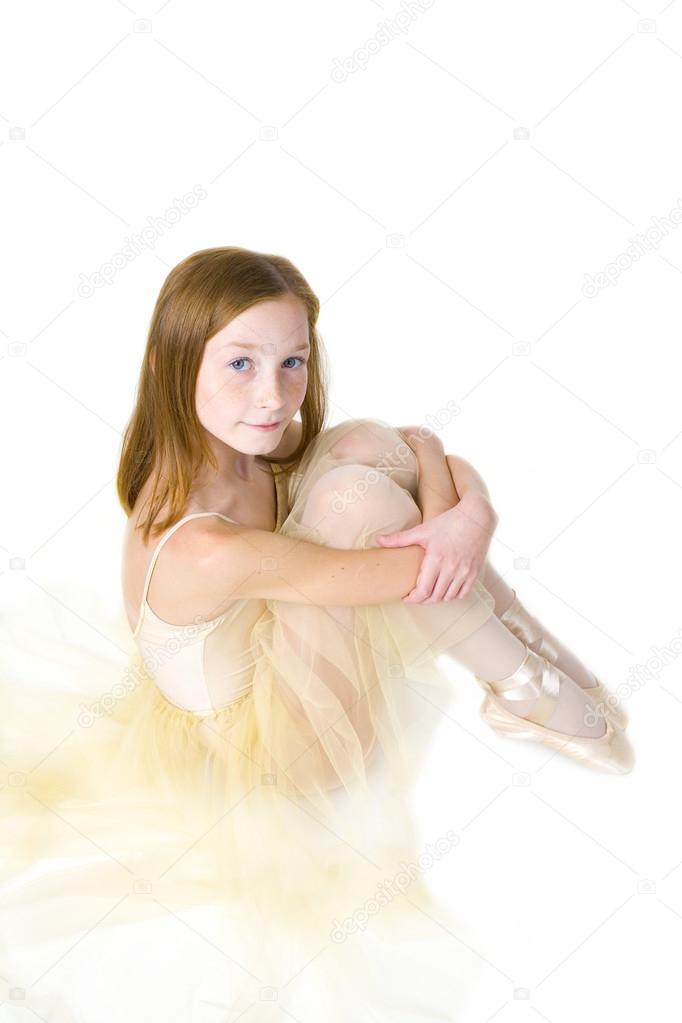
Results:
x,y
176,592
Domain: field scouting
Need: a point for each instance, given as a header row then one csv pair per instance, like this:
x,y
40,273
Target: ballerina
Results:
x,y
284,680
535,687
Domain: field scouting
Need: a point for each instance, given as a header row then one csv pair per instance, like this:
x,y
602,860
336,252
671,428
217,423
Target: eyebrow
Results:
x,y
245,344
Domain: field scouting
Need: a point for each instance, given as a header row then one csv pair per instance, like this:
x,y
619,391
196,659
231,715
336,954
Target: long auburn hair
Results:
x,y
199,297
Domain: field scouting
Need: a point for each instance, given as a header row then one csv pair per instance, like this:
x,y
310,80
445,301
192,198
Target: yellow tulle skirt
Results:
x,y
289,812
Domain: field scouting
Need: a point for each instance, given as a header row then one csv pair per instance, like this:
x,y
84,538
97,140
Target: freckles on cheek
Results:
x,y
211,390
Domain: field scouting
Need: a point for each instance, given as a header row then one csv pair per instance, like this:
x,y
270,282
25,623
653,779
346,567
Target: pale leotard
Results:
x,y
202,666
205,665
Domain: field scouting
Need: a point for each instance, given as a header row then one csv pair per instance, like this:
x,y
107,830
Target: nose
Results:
x,y
271,392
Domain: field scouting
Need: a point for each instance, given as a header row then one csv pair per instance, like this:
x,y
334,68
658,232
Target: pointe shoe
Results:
x,y
529,630
538,677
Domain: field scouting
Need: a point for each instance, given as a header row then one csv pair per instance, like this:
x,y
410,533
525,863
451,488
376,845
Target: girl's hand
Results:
x,y
456,544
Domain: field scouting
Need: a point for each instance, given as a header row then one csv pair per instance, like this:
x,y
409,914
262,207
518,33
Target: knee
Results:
x,y
371,442
351,503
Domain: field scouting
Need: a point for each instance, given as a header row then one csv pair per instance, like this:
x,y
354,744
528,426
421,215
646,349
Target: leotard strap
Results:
x,y
157,549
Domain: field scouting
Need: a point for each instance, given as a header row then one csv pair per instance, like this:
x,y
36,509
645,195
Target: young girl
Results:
x,y
288,588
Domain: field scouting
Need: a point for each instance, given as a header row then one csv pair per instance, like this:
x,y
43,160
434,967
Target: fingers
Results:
x,y
446,588
426,580
435,587
457,592
454,590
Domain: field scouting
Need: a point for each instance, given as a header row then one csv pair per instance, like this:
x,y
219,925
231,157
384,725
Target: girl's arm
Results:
x,y
470,486
436,492
228,562
446,480
457,525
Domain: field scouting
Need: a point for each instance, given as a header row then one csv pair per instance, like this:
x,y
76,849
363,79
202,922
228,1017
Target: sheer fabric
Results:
x,y
287,811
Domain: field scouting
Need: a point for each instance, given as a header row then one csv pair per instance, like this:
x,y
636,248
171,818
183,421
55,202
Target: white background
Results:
x,y
446,200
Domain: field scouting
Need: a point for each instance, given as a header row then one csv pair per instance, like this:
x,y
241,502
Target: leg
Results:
x,y
564,658
376,443
372,444
492,653
495,585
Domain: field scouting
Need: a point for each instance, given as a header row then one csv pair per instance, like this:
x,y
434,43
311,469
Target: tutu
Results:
x,y
287,812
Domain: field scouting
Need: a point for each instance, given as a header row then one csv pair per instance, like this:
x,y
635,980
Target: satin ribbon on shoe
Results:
x,y
609,752
530,631
531,679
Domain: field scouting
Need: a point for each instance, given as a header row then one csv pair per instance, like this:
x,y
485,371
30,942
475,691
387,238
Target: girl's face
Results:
x,y
254,371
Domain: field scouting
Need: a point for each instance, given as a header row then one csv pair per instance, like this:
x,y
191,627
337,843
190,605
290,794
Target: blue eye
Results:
x,y
243,358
